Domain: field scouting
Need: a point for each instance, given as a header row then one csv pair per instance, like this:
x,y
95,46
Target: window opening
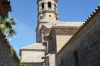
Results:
x,y
49,15
42,5
76,58
49,4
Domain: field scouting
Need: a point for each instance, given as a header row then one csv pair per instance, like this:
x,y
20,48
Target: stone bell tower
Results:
x,y
47,12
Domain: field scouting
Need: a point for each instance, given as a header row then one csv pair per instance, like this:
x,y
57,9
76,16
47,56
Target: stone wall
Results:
x,y
6,58
62,37
84,48
32,56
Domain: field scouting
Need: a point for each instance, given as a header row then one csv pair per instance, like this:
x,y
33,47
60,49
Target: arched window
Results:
x,y
42,5
49,4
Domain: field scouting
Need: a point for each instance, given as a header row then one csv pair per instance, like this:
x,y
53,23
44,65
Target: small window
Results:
x,y
42,5
43,57
49,4
49,15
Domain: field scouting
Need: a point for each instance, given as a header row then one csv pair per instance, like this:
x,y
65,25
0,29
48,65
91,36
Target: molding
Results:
x,y
48,11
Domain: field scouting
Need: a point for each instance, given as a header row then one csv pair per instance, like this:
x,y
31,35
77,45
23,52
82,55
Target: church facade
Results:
x,y
61,43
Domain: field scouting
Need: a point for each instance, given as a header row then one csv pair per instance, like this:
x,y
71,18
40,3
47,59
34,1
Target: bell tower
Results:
x,y
47,12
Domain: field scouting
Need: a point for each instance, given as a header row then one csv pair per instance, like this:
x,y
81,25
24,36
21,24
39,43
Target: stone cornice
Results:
x,y
67,28
48,11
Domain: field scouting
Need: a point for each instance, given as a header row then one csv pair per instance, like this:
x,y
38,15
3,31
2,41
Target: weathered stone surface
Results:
x,y
87,45
6,58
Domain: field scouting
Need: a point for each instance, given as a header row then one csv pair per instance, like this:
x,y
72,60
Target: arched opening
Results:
x,y
49,4
42,5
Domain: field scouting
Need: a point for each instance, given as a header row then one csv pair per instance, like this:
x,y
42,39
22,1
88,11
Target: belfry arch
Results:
x,y
42,4
49,5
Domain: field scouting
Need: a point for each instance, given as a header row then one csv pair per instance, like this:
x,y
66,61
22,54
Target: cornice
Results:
x,y
48,11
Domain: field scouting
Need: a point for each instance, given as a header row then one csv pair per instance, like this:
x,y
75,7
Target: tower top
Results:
x,y
47,11
45,0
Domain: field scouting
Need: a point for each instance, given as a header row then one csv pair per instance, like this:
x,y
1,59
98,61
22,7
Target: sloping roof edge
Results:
x,y
96,11
8,44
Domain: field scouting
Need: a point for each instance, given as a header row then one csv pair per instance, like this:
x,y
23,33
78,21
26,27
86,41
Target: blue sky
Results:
x,y
25,12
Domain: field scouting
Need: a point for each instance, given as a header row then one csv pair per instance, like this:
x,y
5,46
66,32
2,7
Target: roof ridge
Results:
x,y
34,46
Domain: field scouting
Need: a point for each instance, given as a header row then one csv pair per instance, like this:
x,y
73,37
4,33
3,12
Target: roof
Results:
x,y
62,24
94,13
59,24
68,24
35,56
37,46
